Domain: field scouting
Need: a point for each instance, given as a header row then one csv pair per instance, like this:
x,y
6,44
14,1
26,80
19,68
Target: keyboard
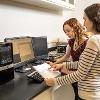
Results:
x,y
46,58
39,62
35,76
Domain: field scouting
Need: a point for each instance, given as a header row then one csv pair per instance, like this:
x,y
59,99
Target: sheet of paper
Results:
x,y
44,70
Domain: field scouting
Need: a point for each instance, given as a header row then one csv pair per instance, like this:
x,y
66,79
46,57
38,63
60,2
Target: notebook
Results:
x,y
44,70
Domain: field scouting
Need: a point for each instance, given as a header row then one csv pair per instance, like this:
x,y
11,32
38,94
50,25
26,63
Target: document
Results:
x,y
44,70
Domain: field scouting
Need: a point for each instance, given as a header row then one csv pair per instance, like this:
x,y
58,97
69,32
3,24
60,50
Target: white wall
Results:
x,y
80,6
24,20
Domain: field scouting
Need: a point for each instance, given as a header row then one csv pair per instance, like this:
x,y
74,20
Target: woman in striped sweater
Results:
x,y
88,66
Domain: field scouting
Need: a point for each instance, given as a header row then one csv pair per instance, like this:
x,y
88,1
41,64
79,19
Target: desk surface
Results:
x,y
20,88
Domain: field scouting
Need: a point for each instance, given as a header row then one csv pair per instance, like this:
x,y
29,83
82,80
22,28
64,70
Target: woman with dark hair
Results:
x,y
88,72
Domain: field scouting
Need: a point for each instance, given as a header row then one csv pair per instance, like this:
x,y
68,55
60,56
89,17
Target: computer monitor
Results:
x,y
6,54
22,49
25,50
39,45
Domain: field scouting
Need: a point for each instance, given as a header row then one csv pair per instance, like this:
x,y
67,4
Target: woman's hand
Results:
x,y
56,67
64,70
50,81
50,63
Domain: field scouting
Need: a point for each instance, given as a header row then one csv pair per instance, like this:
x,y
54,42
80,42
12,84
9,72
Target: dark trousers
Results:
x,y
75,88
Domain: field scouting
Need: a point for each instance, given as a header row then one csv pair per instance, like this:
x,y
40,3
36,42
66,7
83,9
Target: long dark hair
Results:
x,y
93,13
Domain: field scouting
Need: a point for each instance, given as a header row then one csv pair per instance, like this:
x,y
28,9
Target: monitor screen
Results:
x,y
23,48
6,53
40,46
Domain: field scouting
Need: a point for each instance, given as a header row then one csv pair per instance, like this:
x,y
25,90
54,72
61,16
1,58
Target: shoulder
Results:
x,y
93,41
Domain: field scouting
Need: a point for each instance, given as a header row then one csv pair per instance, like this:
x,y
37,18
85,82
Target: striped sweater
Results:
x,y
88,71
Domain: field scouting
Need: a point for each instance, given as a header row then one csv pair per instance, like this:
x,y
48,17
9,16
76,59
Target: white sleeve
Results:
x,y
84,64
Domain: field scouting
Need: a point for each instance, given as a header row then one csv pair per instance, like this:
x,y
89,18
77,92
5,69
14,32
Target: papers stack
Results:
x,y
44,70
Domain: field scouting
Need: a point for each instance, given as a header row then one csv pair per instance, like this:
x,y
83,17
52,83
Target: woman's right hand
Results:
x,y
56,67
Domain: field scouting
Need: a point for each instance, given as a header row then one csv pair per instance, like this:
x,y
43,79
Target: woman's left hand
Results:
x,y
50,81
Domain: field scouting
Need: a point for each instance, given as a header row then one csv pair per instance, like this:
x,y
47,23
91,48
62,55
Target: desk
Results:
x,y
20,89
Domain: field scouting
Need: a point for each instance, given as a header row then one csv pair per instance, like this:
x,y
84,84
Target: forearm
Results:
x,y
70,65
84,65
